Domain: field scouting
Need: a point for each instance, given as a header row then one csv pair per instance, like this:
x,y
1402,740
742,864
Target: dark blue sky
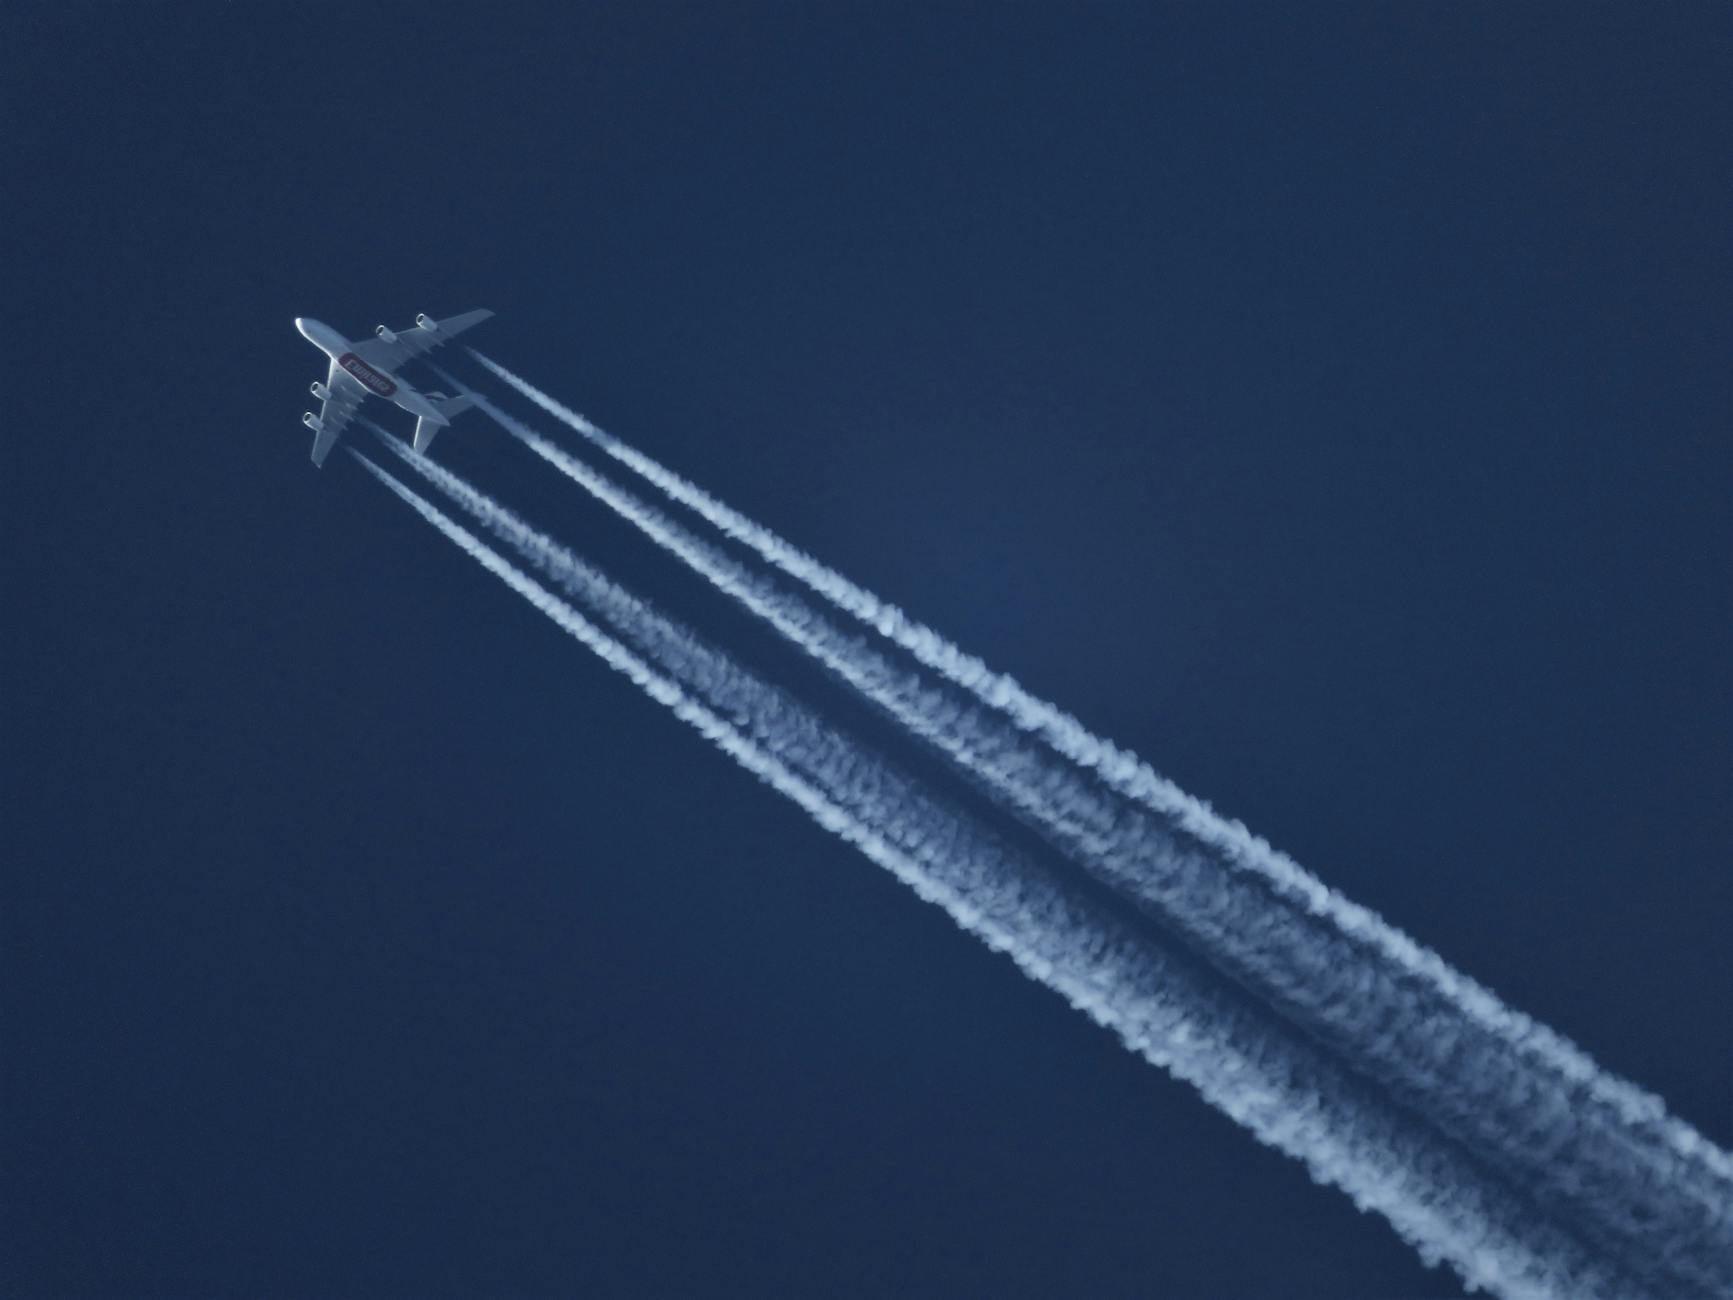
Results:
x,y
1334,407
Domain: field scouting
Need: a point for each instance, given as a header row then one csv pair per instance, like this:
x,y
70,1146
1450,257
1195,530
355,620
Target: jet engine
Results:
x,y
312,421
426,322
386,334
321,392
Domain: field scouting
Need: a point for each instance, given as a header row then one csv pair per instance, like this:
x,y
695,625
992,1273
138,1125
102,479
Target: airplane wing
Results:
x,y
342,396
417,342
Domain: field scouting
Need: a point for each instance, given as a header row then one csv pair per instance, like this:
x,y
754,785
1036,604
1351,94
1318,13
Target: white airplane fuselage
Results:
x,y
381,383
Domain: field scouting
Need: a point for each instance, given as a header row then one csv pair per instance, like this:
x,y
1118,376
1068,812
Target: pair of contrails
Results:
x,y
1486,1140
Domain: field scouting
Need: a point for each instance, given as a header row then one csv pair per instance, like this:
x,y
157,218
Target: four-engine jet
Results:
x,y
370,366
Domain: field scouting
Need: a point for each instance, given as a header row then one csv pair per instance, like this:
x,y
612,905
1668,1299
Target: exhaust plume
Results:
x,y
1525,1098
1270,1080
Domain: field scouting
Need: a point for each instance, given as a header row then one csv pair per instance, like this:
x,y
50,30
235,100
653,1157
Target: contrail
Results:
x,y
1529,1100
1268,1079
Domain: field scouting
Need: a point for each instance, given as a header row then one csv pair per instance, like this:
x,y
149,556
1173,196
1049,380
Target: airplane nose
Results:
x,y
301,324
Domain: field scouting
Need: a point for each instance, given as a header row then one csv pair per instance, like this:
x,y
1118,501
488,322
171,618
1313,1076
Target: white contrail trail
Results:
x,y
1487,1074
1128,774
1274,1083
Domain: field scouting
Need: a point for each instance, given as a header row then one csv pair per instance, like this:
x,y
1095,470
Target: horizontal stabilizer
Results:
x,y
426,428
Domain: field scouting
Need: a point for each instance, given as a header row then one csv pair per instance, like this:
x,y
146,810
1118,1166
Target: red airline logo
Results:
x,y
369,377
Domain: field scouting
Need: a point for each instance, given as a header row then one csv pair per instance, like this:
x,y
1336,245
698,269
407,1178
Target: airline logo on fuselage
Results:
x,y
370,378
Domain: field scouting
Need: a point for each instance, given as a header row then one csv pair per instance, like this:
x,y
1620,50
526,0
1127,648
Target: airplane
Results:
x,y
370,367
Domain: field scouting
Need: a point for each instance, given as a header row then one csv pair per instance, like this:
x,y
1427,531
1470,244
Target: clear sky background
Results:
x,y
1331,404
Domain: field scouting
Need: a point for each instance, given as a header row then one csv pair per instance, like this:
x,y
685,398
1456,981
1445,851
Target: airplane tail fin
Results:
x,y
447,407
